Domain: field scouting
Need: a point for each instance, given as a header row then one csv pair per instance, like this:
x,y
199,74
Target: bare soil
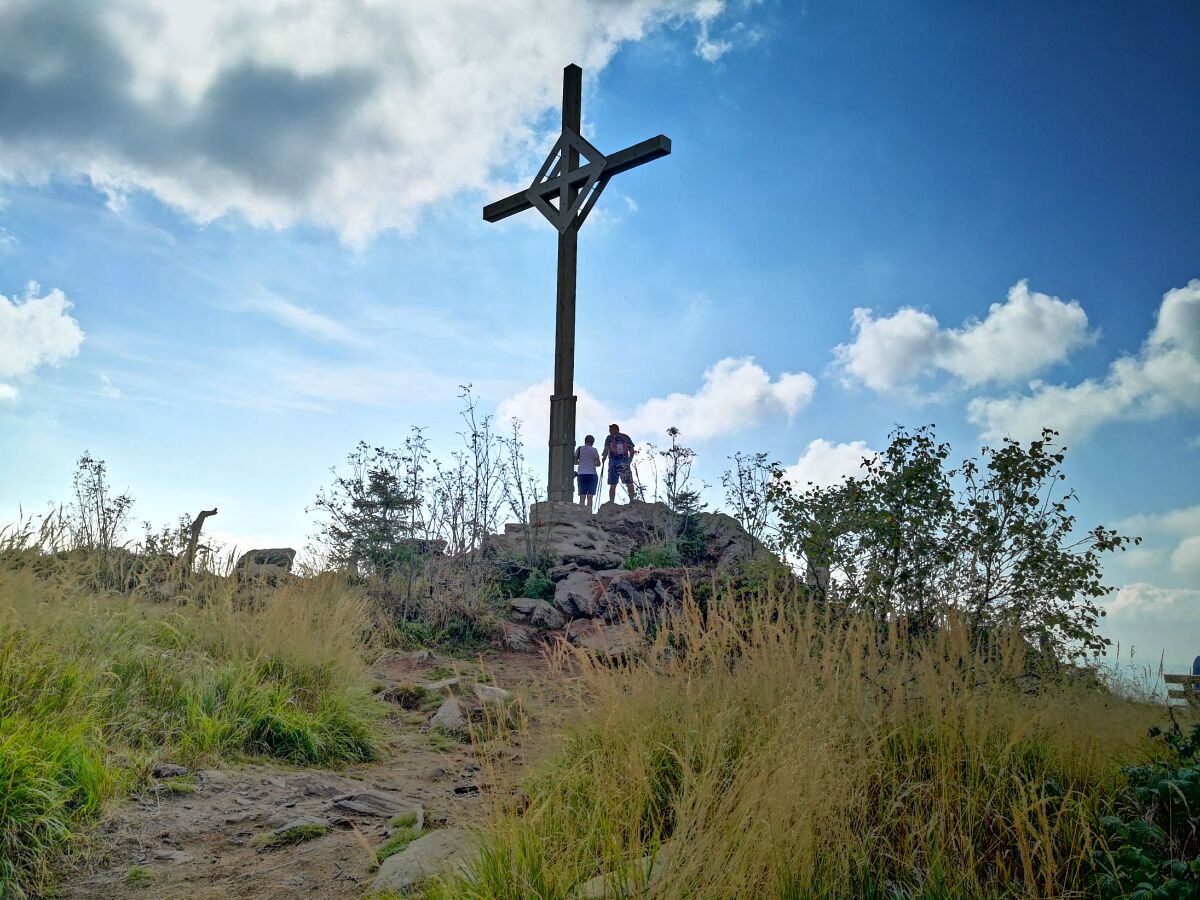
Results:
x,y
195,837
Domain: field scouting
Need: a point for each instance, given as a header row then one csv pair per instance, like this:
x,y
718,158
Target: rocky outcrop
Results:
x,y
276,561
619,594
537,613
576,539
594,596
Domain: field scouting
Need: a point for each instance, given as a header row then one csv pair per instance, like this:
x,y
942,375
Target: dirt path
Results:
x,y
200,836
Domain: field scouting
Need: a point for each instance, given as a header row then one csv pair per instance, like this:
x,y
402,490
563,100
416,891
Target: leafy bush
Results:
x,y
538,586
1154,840
994,539
661,556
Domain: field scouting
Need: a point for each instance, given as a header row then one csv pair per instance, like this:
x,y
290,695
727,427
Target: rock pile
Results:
x,y
595,597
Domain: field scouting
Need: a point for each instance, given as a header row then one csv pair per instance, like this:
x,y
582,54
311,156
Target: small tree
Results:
x,y
370,515
521,488
902,540
1017,556
746,492
683,496
96,517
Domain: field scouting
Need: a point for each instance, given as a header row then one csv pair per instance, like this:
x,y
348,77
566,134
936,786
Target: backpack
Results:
x,y
618,447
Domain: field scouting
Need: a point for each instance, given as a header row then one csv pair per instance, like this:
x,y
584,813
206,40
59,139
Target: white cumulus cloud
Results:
x,y
824,463
532,407
1156,623
736,394
35,331
1173,537
1142,601
356,116
1019,337
1161,379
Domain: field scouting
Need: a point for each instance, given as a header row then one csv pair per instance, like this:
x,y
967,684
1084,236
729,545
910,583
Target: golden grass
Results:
x,y
765,749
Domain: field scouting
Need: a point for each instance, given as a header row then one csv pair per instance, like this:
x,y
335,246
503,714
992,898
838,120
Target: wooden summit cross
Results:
x,y
565,192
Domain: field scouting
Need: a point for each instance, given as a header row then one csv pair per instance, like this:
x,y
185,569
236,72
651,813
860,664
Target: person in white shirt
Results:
x,y
587,458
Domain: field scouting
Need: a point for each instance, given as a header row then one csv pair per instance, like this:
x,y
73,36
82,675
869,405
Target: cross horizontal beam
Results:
x,y
621,161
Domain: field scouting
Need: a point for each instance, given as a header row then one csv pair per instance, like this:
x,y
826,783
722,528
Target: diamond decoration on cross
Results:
x,y
566,197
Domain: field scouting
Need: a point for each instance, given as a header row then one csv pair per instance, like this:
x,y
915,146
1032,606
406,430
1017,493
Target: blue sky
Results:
x,y
254,238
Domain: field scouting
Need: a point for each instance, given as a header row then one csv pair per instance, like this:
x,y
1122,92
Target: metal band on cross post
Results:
x,y
565,191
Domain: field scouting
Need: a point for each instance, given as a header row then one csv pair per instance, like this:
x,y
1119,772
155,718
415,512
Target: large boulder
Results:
x,y
275,561
538,613
607,642
579,594
521,638
441,852
616,594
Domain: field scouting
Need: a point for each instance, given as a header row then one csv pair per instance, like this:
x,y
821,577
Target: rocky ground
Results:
x,y
267,831
273,832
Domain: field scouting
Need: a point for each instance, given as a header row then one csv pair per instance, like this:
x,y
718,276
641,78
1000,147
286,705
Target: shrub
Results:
x,y
1153,848
662,556
992,538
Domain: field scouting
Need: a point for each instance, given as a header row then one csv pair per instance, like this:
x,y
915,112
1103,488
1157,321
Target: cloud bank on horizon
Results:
x,y
250,108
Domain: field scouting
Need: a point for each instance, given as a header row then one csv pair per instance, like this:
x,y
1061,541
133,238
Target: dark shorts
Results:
x,y
618,471
587,485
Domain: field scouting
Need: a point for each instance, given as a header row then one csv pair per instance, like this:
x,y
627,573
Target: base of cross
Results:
x,y
561,485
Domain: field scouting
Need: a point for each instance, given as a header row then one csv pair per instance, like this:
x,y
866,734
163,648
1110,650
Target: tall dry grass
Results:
x,y
768,749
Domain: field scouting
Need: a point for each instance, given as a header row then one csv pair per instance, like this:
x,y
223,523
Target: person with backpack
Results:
x,y
587,458
618,451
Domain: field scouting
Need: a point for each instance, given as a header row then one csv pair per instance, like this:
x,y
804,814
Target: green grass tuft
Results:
x,y
297,835
401,838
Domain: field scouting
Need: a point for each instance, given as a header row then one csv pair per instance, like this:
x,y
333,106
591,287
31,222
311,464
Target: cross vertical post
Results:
x,y
564,191
560,483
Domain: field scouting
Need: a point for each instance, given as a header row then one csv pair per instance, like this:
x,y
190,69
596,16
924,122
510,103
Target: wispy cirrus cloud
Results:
x,y
303,320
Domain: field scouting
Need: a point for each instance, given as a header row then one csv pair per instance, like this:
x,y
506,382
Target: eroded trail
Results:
x,y
229,832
